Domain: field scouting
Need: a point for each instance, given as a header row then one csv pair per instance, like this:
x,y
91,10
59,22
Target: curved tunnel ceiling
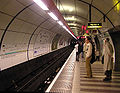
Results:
x,y
79,9
24,15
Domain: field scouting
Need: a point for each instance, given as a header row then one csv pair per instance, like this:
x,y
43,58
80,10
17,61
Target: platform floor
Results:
x,y
95,84
74,81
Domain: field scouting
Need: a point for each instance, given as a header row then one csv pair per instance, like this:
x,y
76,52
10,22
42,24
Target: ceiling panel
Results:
x,y
10,7
80,10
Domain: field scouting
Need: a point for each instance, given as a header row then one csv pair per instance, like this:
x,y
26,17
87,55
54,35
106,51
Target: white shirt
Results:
x,y
88,50
76,47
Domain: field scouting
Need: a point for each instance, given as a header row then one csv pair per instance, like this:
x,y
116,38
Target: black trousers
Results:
x,y
77,56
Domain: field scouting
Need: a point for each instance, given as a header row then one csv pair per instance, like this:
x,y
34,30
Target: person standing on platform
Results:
x,y
77,54
88,56
80,48
108,60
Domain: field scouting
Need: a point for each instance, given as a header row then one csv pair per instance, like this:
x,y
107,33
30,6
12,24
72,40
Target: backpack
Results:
x,y
93,54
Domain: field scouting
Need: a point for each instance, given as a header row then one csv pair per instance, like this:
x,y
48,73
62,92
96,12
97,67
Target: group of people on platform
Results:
x,y
86,51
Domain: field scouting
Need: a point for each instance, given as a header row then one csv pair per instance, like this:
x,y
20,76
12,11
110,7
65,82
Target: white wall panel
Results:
x,y
10,6
4,20
14,50
48,24
31,17
22,26
1,33
36,9
42,43
57,29
12,59
25,2
63,42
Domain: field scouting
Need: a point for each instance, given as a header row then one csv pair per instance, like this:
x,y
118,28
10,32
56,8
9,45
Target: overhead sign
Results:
x,y
94,25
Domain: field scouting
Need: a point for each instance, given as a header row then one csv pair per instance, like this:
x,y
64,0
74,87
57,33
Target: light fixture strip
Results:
x,y
69,32
60,23
44,7
52,15
41,4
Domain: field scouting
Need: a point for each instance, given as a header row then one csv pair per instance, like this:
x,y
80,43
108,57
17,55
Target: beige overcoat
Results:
x,y
108,53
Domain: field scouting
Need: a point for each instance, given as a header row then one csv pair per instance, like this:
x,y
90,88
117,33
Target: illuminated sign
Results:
x,y
94,25
85,34
82,36
117,7
84,27
87,31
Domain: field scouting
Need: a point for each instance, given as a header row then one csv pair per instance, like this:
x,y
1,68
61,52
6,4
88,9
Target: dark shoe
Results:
x,y
88,77
107,79
110,78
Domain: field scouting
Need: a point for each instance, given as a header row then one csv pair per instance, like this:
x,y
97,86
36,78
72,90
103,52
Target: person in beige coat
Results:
x,y
88,56
108,60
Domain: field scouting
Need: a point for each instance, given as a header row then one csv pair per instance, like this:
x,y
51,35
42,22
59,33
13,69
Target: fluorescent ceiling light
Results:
x,y
68,8
53,16
72,24
41,4
71,9
60,23
64,27
69,32
73,27
70,18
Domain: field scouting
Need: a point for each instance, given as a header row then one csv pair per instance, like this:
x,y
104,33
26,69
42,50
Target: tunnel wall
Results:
x,y
15,77
27,32
116,41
